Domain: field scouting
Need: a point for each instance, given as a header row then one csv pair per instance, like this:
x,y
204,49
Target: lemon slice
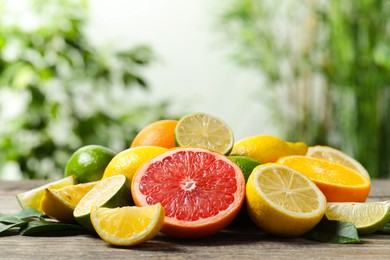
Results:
x,y
32,198
60,203
111,192
368,217
332,154
205,131
126,226
282,201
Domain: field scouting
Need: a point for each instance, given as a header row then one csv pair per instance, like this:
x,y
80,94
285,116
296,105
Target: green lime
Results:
x,y
111,193
246,164
367,217
89,162
205,131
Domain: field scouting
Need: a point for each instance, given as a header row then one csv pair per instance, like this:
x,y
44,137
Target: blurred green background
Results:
x,y
324,70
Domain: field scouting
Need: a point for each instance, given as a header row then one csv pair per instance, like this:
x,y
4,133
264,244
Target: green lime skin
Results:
x,y
89,162
246,164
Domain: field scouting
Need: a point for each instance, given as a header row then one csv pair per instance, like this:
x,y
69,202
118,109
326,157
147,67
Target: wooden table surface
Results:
x,y
228,244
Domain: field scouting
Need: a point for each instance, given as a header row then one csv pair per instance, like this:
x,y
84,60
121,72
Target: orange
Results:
x,y
159,133
338,182
201,191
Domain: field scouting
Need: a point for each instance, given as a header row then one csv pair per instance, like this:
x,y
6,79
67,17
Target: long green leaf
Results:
x,y
49,228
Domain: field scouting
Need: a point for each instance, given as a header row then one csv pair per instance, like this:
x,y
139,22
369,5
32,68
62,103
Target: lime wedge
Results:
x,y
111,192
32,198
368,217
205,131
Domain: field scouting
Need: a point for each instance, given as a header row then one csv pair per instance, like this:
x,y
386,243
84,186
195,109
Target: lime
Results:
x,y
111,192
368,217
32,198
60,203
127,226
246,164
89,162
205,131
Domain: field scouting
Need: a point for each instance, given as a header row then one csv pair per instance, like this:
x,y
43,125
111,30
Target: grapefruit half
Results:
x,y
201,191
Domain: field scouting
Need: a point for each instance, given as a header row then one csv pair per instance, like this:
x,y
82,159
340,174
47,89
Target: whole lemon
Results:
x,y
267,148
89,162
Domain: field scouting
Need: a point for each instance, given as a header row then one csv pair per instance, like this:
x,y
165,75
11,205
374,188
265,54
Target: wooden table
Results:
x,y
229,244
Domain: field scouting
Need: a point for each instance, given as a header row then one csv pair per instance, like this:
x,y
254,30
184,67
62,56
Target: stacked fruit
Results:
x,y
188,179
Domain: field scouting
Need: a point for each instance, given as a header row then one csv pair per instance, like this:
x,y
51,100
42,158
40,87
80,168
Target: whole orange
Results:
x,y
159,133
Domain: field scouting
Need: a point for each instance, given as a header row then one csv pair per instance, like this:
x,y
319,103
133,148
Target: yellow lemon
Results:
x,y
128,161
127,226
282,201
267,148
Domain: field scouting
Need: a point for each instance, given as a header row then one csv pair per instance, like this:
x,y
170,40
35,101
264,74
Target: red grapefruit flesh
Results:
x,y
201,191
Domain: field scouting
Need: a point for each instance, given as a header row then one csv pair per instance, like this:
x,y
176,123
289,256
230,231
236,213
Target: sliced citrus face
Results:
x,y
32,198
332,154
368,217
339,183
205,131
128,161
60,203
111,192
267,148
201,191
127,226
282,201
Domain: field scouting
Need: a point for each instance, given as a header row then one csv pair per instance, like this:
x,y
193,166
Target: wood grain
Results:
x,y
229,244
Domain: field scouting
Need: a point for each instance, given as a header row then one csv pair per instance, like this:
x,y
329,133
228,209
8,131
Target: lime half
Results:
x,y
111,192
205,131
368,217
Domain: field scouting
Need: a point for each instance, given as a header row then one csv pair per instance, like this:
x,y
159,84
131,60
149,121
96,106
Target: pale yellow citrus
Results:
x,y
32,198
282,201
60,203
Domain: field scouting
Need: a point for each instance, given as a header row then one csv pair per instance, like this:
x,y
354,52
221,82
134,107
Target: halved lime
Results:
x,y
32,198
111,192
368,217
205,131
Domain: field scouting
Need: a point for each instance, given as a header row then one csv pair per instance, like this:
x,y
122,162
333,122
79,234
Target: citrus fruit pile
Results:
x,y
188,178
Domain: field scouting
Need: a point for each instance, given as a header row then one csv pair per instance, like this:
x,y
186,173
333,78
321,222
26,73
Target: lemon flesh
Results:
x,y
111,192
282,201
60,203
126,226
205,131
32,198
368,217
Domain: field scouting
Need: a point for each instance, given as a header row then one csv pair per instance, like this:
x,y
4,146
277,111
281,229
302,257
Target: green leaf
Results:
x,y
5,228
50,228
336,232
24,214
